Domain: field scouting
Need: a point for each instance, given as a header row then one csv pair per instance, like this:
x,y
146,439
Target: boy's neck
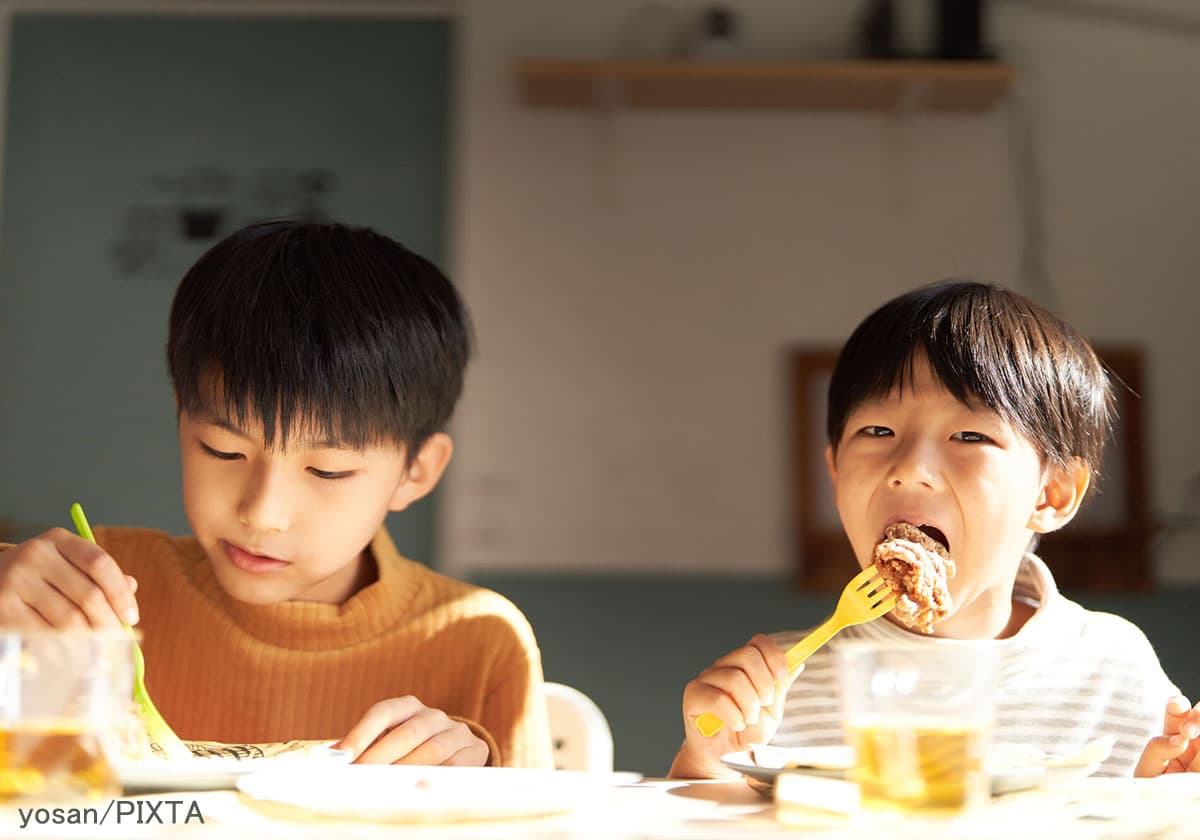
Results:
x,y
1022,611
367,573
985,621
342,587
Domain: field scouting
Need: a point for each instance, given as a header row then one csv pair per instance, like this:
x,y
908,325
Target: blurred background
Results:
x,y
643,261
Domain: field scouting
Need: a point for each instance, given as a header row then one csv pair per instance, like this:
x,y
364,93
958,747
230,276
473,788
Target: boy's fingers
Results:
x,y
16,614
53,608
87,599
784,688
104,572
1191,722
773,655
398,744
754,661
429,737
1159,752
383,716
708,698
734,684
1177,709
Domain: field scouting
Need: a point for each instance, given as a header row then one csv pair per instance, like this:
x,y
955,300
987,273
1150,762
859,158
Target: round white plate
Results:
x,y
429,794
764,764
834,762
157,775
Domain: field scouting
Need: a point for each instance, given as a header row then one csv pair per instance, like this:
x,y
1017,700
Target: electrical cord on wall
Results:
x,y
1027,184
1024,129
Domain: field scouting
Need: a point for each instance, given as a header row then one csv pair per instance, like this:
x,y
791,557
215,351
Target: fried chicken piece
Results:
x,y
916,567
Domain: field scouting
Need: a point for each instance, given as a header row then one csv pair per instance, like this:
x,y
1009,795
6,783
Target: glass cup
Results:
x,y
920,721
64,697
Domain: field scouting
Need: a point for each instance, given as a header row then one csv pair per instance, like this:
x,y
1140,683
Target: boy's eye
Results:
x,y
875,431
330,476
971,437
218,454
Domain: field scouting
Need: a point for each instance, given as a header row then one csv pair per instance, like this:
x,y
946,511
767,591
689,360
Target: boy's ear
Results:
x,y
1063,489
424,472
830,464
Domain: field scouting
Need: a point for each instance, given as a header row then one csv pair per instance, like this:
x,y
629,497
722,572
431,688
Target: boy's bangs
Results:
x,y
323,331
963,358
989,349
284,411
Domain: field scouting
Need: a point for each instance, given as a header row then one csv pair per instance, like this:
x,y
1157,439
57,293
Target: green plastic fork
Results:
x,y
865,598
161,735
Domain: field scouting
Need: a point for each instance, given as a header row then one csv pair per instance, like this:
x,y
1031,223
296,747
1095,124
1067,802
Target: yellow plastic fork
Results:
x,y
865,598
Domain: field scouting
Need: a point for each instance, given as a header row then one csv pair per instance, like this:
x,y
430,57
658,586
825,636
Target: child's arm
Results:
x,y
60,580
403,730
745,688
1177,750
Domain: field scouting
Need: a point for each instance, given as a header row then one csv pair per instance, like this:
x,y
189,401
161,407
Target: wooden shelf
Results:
x,y
825,85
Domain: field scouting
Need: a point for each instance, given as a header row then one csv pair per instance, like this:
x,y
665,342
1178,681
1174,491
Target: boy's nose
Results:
x,y
913,467
264,506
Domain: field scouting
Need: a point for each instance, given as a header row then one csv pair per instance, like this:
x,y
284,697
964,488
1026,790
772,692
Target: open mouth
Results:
x,y
935,534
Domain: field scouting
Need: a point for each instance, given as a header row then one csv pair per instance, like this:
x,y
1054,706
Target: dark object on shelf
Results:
x,y
877,31
717,37
719,22
959,30
200,223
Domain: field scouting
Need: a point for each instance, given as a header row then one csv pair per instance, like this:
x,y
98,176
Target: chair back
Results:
x,y
579,731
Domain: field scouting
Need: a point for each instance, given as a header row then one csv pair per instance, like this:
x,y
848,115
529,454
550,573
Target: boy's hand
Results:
x,y
1177,750
61,580
746,689
404,730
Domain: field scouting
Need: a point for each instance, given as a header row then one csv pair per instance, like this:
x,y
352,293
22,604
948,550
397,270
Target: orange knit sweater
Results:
x,y
222,670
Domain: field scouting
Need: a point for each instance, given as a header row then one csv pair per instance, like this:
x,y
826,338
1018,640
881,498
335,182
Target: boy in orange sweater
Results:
x,y
315,367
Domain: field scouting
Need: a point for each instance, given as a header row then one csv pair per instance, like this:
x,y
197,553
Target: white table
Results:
x,y
1163,809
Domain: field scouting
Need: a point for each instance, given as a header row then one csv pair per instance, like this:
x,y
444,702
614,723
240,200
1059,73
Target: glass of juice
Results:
x,y
64,696
920,720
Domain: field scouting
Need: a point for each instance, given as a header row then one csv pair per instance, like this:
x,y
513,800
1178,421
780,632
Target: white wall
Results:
x,y
636,276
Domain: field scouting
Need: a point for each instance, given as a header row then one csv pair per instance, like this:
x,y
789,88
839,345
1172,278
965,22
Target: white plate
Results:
x,y
158,775
428,794
1020,768
765,763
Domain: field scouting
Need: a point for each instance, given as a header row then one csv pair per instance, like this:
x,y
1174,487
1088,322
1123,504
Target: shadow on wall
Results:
x,y
631,644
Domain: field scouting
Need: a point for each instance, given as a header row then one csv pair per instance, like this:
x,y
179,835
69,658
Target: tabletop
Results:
x,y
1164,809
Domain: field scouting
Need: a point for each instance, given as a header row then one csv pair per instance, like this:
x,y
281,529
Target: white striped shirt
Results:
x,y
1068,676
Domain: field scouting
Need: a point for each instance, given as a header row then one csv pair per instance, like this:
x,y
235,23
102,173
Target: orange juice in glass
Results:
x,y
920,720
63,698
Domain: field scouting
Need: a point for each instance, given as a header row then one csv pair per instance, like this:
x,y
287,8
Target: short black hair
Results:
x,y
990,347
332,329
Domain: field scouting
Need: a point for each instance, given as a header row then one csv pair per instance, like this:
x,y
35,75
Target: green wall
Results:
x,y
113,124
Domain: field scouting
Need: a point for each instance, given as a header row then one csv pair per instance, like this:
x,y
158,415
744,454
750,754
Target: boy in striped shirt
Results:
x,y
974,414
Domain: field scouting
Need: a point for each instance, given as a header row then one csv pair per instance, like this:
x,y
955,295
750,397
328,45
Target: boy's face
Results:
x,y
923,457
290,524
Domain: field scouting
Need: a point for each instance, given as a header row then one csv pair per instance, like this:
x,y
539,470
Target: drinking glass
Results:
x,y
920,719
64,696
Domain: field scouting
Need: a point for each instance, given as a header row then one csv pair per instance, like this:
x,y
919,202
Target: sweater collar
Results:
x,y
310,625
